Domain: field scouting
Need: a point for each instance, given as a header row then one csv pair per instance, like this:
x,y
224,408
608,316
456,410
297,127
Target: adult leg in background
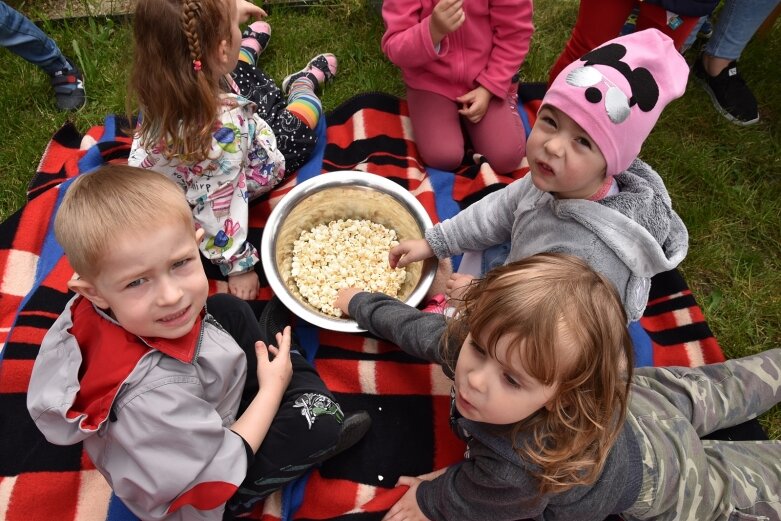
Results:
x,y
716,68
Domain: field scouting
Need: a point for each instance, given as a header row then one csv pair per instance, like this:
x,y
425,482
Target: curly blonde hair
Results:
x,y
178,103
569,327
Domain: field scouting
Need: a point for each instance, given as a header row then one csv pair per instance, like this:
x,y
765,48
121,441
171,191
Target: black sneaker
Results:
x,y
68,86
729,93
273,319
354,428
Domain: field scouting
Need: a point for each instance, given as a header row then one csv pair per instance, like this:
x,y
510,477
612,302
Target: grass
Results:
x,y
725,180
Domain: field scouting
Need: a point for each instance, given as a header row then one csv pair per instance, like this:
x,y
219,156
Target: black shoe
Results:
x,y
273,319
354,427
729,93
68,87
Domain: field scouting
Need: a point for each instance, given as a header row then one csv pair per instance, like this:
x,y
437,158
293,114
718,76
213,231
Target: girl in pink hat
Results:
x,y
587,193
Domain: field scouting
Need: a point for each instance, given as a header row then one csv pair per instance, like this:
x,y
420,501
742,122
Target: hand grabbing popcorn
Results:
x,y
341,254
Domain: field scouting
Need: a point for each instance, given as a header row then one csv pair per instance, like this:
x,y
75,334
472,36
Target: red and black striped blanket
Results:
x,y
407,398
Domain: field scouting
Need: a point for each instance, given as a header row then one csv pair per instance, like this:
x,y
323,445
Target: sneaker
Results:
x,y
68,87
706,30
256,37
273,319
354,428
729,93
436,304
320,69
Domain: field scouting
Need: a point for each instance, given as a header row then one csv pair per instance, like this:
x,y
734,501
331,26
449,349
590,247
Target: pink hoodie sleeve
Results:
x,y
511,22
407,39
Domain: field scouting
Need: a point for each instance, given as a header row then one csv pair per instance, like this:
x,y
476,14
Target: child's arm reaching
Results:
x,y
416,332
274,376
248,10
409,251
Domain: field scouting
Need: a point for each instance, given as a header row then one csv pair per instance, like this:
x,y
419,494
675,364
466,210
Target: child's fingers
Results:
x,y
261,351
395,257
407,481
283,341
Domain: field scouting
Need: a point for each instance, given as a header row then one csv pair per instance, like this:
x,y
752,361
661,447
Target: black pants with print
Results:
x,y
295,140
307,423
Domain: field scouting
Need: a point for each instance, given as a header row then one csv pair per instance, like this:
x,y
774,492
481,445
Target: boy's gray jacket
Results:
x,y
493,482
628,237
153,414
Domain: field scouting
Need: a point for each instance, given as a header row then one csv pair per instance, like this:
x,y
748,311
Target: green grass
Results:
x,y
725,180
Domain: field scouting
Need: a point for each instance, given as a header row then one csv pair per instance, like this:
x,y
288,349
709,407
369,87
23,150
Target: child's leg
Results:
x,y
675,26
254,40
598,21
305,428
301,88
685,477
309,425
436,125
717,396
500,135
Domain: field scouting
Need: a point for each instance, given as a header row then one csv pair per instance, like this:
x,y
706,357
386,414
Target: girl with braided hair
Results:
x,y
214,123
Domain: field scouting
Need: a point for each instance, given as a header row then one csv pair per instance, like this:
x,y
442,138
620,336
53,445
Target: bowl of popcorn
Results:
x,y
335,231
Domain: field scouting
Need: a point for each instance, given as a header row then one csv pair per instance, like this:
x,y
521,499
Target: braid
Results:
x,y
190,18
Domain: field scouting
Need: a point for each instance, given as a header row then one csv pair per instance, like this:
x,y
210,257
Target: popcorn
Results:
x,y
341,254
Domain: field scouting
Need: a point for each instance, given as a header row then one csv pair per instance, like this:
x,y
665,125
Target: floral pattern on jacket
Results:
x,y
244,163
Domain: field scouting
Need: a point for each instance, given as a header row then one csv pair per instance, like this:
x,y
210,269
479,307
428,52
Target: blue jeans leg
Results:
x,y
23,38
737,23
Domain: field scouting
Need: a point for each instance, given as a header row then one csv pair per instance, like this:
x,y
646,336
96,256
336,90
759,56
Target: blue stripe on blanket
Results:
x,y
50,255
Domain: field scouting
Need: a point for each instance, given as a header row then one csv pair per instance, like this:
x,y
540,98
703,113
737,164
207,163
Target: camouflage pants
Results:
x,y
685,477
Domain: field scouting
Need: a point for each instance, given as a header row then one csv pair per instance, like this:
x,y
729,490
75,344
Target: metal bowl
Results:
x,y
341,195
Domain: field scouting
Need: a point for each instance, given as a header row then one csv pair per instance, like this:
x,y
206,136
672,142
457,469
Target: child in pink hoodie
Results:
x,y
460,63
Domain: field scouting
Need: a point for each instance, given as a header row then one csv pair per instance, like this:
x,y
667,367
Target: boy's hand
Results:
x,y
409,251
248,10
448,15
274,375
457,284
343,298
244,285
475,104
406,508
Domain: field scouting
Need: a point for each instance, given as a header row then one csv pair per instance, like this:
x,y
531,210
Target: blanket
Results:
x,y
408,399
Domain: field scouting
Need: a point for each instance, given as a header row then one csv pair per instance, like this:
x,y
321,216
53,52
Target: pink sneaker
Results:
x,y
436,304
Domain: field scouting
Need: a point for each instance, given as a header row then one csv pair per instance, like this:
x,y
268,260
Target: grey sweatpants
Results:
x,y
685,477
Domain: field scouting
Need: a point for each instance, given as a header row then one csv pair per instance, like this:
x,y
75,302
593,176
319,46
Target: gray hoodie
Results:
x,y
628,237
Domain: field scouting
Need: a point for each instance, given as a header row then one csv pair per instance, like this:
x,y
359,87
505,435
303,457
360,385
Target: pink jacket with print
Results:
x,y
486,50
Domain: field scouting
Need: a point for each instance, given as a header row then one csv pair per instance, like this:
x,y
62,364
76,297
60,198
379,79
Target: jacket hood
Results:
x,y
650,238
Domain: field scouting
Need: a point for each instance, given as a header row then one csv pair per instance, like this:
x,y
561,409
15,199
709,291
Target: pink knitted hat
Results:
x,y
617,91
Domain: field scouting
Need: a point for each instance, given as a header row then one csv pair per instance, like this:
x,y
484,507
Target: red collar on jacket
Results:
x,y
109,354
